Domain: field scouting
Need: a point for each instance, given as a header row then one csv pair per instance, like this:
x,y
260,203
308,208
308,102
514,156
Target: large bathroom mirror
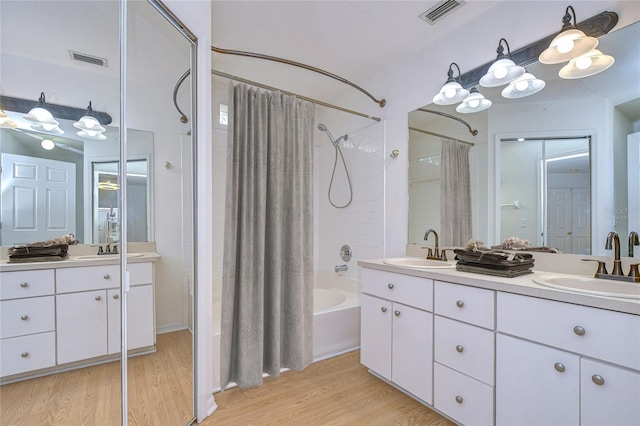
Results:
x,y
599,111
159,184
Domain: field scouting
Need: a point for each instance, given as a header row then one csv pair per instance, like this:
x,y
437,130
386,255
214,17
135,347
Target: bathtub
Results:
x,y
336,318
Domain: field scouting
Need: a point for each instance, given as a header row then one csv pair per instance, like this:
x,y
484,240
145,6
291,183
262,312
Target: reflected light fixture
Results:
x,y
6,122
89,126
42,118
452,92
503,70
107,185
526,85
47,144
586,65
569,44
475,102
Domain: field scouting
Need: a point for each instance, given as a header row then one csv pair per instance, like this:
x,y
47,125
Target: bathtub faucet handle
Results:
x,y
341,268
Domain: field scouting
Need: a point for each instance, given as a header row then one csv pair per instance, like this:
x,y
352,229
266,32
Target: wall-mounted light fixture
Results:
x,y
475,102
524,86
586,65
89,126
569,44
503,70
6,122
452,92
42,118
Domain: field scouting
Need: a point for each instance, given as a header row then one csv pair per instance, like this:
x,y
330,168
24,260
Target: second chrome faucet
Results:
x,y
435,254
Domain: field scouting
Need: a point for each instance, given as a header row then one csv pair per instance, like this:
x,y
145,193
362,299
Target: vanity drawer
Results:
x,y
465,348
469,304
466,400
27,353
69,280
14,285
140,273
27,316
606,335
405,289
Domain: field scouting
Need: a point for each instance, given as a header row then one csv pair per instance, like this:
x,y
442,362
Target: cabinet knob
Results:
x,y
559,367
459,399
98,297
106,276
24,284
117,296
597,379
390,286
459,303
396,313
24,354
459,348
578,330
24,317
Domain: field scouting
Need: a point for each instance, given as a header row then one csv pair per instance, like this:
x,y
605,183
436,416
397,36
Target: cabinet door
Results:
x,y
609,395
140,321
412,366
375,339
535,384
82,325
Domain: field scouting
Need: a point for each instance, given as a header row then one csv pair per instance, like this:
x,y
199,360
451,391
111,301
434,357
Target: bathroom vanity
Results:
x,y
486,350
66,314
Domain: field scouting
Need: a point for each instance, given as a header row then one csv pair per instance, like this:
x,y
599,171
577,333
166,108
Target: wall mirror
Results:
x,y
159,183
604,107
77,211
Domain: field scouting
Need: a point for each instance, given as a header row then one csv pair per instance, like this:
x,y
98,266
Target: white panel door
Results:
x,y
559,219
38,199
140,330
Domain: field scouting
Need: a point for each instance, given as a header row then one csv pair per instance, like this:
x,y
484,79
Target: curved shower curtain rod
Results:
x,y
473,132
382,102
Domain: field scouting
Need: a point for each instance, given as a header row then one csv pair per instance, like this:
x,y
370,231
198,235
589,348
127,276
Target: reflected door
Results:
x,y
38,199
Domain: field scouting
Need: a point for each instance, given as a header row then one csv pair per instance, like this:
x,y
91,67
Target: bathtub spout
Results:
x,y
341,268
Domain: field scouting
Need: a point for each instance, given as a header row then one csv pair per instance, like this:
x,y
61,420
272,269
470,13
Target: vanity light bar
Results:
x,y
8,103
595,26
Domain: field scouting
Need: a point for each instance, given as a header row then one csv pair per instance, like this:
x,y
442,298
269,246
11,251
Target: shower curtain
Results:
x,y
267,290
455,194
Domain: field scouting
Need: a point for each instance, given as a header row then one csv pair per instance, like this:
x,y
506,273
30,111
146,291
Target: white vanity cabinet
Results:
x,y
397,330
464,342
558,363
27,321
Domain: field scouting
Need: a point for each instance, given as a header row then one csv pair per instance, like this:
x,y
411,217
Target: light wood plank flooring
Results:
x,y
337,391
160,391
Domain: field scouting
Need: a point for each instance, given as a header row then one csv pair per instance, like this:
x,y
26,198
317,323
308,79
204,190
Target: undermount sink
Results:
x,y
588,285
104,256
418,263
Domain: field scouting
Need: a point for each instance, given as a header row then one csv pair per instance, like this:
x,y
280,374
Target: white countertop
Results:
x,y
520,285
74,262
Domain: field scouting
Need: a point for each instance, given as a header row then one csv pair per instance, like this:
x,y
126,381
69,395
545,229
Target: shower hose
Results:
x,y
335,164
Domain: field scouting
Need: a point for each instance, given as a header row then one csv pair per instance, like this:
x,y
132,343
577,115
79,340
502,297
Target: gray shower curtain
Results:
x,y
455,194
267,290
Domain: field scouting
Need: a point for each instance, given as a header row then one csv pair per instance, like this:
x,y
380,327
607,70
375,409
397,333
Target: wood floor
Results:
x,y
159,387
338,391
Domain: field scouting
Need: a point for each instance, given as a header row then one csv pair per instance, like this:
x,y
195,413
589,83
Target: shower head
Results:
x,y
322,127
335,142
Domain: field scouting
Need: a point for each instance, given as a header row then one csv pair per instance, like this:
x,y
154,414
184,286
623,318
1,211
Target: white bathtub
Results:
x,y
336,318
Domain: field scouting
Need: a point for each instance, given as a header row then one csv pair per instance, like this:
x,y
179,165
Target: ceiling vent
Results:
x,y
440,10
89,59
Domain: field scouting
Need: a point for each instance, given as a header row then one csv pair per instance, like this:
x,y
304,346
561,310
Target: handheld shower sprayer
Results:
x,y
335,142
336,146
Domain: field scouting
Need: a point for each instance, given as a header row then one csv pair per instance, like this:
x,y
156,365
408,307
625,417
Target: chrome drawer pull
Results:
x,y
459,399
559,367
390,286
116,296
24,317
459,348
24,284
597,379
106,276
24,354
578,330
459,303
98,297
396,313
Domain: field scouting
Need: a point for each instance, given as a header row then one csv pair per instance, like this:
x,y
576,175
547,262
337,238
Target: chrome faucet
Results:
x,y
434,254
633,241
613,241
340,268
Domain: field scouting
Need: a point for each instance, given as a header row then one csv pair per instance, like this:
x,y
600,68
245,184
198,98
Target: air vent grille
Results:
x,y
89,59
441,10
